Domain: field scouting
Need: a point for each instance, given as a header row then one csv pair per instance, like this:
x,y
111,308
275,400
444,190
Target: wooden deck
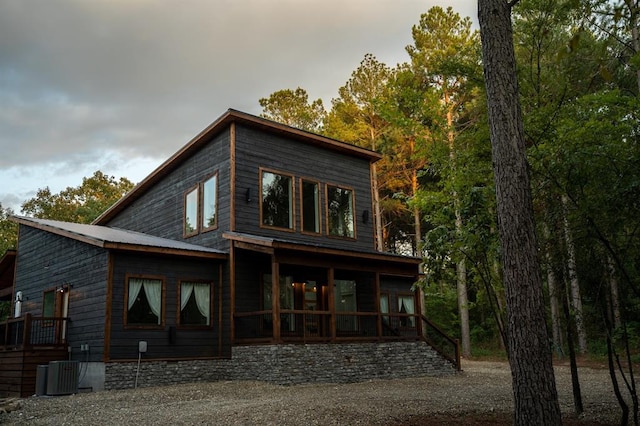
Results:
x,y
25,343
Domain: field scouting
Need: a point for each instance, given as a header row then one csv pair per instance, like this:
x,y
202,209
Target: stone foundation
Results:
x,y
288,365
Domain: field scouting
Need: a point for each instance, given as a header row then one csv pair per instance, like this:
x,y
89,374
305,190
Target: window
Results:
x,y
144,301
277,200
209,203
49,304
191,212
406,305
195,303
310,207
340,212
384,307
345,301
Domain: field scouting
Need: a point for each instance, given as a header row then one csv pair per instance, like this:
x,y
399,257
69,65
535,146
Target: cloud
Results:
x,y
135,78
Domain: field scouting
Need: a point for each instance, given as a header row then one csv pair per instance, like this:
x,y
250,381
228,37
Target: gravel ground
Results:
x,y
480,395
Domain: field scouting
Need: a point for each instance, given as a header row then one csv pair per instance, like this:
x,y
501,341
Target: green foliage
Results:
x,y
8,231
292,107
81,204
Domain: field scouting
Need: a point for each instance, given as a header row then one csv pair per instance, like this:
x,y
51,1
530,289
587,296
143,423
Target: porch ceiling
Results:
x,y
289,249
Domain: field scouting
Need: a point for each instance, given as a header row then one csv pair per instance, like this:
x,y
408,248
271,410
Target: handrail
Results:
x,y
455,359
29,331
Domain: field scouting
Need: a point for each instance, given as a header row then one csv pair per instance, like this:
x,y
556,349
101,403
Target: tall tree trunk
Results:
x,y
613,292
634,12
461,265
574,283
377,214
552,284
463,308
534,386
416,214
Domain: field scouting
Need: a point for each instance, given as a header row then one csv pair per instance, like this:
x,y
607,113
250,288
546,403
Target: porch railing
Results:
x,y
29,331
296,325
447,347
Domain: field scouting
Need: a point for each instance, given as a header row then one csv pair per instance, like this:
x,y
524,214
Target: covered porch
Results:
x,y
283,292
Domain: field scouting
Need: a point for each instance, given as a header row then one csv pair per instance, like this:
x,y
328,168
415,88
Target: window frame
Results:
x,y
318,207
328,186
410,320
203,227
125,310
196,229
292,200
179,303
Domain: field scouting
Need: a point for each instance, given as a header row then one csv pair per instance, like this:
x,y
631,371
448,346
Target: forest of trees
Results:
x,y
578,79
578,76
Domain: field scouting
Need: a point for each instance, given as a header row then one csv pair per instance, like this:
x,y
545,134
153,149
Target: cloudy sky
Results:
x,y
120,85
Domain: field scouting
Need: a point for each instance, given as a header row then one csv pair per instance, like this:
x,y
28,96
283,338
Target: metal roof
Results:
x,y
116,238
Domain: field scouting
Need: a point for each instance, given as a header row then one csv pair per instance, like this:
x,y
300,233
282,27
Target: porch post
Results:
x,y
421,310
26,332
331,302
376,284
275,298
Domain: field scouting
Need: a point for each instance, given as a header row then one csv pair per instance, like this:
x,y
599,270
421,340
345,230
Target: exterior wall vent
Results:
x,y
62,378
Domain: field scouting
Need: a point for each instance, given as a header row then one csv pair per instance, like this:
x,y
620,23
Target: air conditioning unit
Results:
x,y
62,378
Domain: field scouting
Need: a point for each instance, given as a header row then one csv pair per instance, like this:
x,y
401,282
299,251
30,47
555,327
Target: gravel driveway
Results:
x,y
481,394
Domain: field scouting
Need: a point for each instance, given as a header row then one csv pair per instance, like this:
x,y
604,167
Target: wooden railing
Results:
x,y
29,331
447,347
296,325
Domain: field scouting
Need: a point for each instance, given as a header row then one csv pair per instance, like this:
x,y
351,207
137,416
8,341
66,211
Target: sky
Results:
x,y
120,85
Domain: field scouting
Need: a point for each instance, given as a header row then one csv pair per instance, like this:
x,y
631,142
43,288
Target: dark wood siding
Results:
x,y
46,261
160,210
185,342
256,149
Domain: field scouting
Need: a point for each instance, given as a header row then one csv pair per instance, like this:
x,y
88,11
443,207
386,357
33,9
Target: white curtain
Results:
x,y
202,292
134,289
185,293
408,303
384,304
203,299
153,289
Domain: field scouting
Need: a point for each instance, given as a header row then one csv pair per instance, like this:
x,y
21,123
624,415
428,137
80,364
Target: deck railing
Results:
x,y
441,342
29,331
296,325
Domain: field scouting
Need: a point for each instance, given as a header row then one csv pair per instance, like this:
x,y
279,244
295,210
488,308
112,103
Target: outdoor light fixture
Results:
x,y
248,195
365,216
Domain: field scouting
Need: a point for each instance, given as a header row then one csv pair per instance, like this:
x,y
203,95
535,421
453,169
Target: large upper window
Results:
x,y
340,220
277,200
191,212
310,206
201,207
209,202
144,301
195,303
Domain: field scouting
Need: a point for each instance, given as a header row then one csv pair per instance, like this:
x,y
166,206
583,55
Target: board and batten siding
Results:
x,y
188,342
46,261
256,149
160,210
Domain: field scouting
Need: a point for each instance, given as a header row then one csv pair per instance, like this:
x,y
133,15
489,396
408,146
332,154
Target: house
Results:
x,y
249,254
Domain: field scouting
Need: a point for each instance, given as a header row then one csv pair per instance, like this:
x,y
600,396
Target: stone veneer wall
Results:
x,y
289,364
